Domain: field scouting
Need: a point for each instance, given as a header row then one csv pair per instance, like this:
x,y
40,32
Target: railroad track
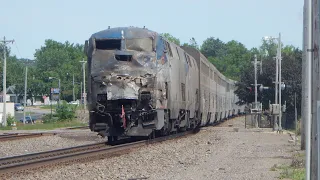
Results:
x,y
16,136
78,127
26,163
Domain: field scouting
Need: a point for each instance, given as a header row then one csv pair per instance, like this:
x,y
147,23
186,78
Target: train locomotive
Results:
x,y
140,84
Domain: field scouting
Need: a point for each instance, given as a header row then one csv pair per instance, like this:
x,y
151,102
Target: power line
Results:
x,y
15,44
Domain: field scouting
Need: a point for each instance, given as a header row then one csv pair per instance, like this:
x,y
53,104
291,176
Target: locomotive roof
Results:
x,y
128,33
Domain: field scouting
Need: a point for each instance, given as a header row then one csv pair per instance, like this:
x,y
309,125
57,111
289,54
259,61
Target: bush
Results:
x,y
48,119
10,120
65,112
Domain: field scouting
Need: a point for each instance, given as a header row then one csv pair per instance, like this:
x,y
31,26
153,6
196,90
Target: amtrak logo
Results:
x,y
163,59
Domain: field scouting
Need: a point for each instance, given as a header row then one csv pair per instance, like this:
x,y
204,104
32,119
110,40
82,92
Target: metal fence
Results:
x,y
258,120
265,120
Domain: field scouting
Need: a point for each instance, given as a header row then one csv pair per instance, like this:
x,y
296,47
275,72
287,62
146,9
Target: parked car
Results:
x,y
74,102
18,107
29,119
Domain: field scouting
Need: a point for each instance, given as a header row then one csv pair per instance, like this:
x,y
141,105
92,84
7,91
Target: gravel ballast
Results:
x,y
213,153
48,142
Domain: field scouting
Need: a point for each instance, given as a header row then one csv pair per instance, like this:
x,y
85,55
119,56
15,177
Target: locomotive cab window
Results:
x,y
108,44
141,44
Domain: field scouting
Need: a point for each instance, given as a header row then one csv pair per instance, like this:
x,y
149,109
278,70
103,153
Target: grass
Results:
x,y
292,173
48,107
55,106
46,126
295,171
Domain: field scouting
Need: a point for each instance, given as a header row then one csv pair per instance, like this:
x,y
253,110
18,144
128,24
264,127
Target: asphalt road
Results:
x,y
35,113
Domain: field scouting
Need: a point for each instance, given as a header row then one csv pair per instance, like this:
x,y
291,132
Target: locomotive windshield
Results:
x,y
108,44
141,44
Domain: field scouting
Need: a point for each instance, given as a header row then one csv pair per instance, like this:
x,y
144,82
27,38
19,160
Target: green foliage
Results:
x,y
170,38
212,47
50,119
291,76
65,112
60,60
230,58
10,120
193,43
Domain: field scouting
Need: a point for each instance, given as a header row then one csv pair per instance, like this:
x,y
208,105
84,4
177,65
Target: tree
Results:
x,y
212,47
234,58
170,38
291,76
193,43
57,60
268,48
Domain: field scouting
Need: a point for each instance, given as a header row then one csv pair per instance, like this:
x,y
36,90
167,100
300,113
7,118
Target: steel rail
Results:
x,y
25,163
16,136
78,127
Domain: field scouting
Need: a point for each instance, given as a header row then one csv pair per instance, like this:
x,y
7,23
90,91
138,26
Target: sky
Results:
x,y
31,22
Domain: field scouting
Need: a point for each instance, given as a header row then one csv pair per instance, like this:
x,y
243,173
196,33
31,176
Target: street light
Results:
x,y
278,83
84,82
25,95
59,87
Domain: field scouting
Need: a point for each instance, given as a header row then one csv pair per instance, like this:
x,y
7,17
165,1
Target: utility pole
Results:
x,y
257,109
255,82
280,81
295,117
25,95
4,41
255,63
303,81
59,92
276,89
81,93
73,87
84,82
261,65
308,96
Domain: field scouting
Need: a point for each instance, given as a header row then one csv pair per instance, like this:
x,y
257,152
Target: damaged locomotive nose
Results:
x,y
124,86
126,90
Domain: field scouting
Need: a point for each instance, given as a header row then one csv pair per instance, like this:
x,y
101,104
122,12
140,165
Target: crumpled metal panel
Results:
x,y
146,71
